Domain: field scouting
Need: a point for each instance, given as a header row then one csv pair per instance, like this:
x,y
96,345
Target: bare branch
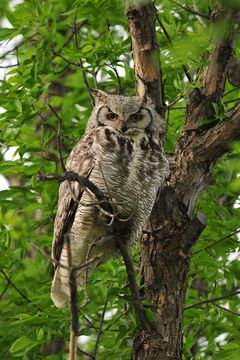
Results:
x,y
100,330
85,353
76,29
8,66
191,11
58,263
19,291
84,183
226,309
216,242
212,300
115,320
66,60
118,78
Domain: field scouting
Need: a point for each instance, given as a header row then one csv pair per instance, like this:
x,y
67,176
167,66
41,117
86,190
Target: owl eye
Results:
x,y
112,116
136,117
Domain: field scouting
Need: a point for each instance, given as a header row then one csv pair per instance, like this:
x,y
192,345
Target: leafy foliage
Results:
x,y
63,47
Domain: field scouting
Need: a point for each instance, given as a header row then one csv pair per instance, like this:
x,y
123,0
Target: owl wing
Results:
x,y
82,162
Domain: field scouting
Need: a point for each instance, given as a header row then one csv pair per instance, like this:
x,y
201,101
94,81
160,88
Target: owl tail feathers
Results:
x,y
60,292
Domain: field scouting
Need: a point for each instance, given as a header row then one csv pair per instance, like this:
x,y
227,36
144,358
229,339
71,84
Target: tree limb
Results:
x,y
214,76
141,21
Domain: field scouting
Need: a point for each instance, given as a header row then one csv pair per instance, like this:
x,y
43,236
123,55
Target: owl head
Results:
x,y
124,114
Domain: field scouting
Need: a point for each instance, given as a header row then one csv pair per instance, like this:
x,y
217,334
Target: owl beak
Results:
x,y
124,129
120,125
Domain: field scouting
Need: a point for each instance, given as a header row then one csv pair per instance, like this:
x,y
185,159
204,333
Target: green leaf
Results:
x,y
6,33
18,105
22,343
87,49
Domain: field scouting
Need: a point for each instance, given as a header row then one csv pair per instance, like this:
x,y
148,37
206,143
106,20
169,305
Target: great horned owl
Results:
x,y
121,153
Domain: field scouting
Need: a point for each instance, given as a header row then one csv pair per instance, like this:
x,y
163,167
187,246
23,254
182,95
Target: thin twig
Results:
x,y
216,242
84,183
115,320
79,26
19,291
227,310
178,108
5,289
85,353
230,101
90,323
173,102
118,78
8,66
190,10
66,60
211,300
170,42
41,251
230,91
58,263
61,71
163,27
100,330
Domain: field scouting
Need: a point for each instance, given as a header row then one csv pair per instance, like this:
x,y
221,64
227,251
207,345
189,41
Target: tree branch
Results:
x,y
191,11
197,150
141,21
8,66
216,242
214,76
100,330
226,309
211,300
84,183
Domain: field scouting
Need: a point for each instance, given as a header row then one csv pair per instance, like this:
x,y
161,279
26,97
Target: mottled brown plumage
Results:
x,y
121,153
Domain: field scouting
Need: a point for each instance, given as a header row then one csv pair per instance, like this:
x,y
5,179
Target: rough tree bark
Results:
x,y
172,229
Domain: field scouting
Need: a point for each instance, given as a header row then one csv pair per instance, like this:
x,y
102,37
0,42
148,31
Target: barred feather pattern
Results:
x,y
128,166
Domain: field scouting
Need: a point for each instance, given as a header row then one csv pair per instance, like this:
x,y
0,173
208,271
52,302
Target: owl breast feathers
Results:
x,y
121,153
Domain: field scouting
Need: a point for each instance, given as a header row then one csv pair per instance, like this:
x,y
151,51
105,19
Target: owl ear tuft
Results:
x,y
98,95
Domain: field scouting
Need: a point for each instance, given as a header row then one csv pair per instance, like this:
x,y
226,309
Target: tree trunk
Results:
x,y
172,229
165,254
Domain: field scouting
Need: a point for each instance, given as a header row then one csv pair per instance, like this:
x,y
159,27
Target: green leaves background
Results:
x,y
49,71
